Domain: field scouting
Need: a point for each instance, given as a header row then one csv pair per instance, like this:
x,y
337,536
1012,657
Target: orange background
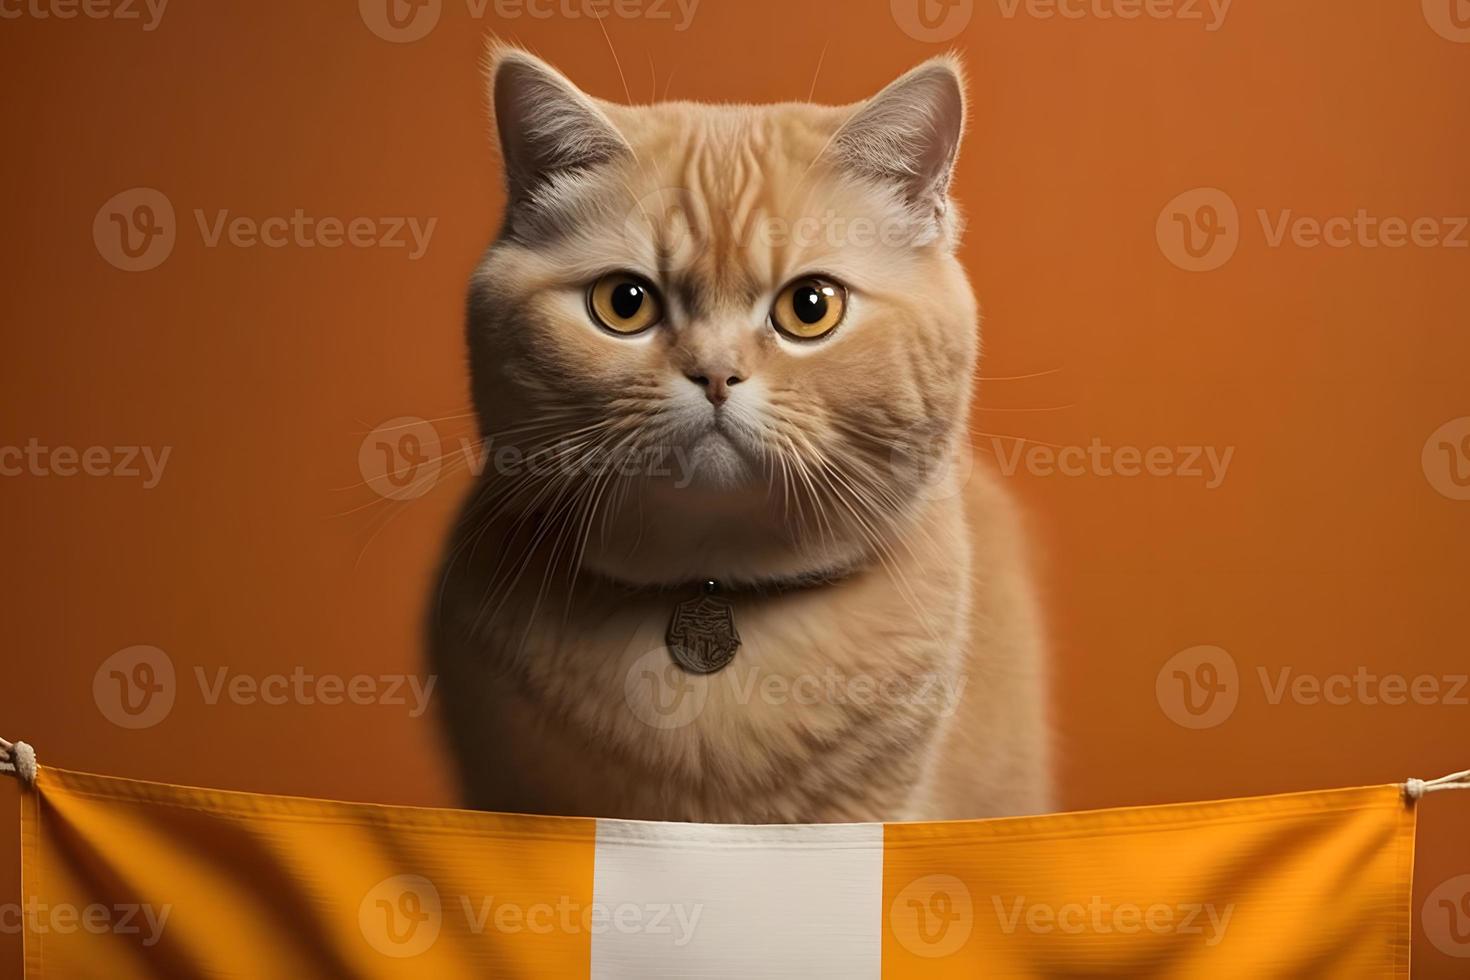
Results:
x,y
1326,549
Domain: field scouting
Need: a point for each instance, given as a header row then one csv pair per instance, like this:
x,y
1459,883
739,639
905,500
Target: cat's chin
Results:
x,y
715,462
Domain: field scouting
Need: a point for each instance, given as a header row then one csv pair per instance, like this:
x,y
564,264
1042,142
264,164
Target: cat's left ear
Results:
x,y
908,135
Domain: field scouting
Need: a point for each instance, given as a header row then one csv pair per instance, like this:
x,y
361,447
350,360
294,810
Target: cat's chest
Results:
x,y
815,666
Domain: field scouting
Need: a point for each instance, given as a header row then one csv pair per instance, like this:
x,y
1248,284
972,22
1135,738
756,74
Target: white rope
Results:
x,y
19,758
1415,789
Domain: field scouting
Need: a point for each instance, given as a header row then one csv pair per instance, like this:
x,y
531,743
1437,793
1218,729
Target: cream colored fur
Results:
x,y
910,685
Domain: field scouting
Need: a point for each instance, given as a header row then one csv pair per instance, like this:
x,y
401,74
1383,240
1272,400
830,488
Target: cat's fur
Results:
x,y
876,575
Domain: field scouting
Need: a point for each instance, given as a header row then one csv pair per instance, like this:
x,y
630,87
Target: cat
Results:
x,y
733,345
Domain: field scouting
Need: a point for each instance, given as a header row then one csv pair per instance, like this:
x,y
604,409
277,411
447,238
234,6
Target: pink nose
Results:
x,y
716,389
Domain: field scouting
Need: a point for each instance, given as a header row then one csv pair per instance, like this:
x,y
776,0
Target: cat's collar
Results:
x,y
735,588
702,637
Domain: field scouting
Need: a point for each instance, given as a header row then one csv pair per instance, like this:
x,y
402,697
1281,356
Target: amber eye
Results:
x,y
809,308
624,303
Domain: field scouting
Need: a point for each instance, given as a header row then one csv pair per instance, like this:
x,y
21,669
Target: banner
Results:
x,y
135,879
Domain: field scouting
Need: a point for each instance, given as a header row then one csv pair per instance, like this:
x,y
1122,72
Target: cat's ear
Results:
x,y
547,125
908,135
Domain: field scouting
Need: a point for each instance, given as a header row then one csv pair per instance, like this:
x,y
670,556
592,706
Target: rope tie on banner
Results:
x,y
19,758
1415,789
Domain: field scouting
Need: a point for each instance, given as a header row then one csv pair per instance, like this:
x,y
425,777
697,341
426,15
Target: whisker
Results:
x,y
1020,377
1000,435
818,73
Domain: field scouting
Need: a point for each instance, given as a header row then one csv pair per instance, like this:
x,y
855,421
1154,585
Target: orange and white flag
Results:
x,y
133,879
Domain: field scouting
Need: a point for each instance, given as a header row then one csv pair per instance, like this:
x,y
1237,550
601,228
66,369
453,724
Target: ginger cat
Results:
x,y
733,344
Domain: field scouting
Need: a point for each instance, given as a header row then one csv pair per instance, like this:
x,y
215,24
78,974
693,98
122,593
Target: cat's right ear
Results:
x,y
547,125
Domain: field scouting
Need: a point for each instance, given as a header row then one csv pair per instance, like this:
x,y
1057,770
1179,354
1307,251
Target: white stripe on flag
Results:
x,y
719,901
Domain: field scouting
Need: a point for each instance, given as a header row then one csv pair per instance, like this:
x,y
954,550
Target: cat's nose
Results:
x,y
716,388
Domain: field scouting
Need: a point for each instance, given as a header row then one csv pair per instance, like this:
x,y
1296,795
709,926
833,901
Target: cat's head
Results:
x,y
722,340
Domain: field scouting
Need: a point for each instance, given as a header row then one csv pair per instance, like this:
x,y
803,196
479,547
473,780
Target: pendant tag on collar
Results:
x,y
702,637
